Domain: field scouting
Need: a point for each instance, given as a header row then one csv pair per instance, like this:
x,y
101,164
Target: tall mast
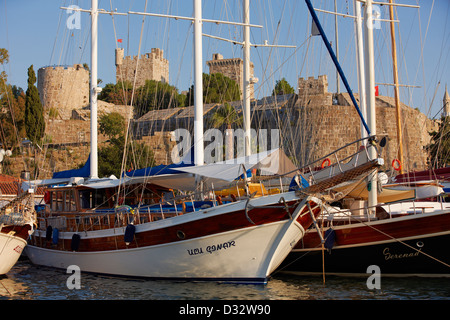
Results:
x,y
246,93
198,86
370,98
338,85
94,90
360,60
396,91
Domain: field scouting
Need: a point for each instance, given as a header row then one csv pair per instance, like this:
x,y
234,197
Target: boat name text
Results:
x,y
390,256
213,248
18,249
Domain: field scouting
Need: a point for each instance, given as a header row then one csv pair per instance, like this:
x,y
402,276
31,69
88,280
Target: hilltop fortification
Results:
x,y
63,89
233,69
151,66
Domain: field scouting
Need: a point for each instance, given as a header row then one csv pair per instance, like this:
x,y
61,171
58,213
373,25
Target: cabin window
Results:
x,y
93,199
62,200
57,201
69,201
86,199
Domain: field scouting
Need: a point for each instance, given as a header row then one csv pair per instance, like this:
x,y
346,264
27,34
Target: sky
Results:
x,y
36,33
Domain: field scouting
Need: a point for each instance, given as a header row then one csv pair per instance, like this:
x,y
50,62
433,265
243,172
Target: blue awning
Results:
x,y
83,172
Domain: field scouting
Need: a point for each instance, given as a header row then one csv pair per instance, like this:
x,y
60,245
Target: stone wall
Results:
x,y
151,66
63,89
162,144
312,86
327,126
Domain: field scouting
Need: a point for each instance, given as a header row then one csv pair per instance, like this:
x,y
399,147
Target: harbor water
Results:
x,y
26,281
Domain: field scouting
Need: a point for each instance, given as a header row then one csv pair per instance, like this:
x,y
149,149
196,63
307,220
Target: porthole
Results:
x,y
181,235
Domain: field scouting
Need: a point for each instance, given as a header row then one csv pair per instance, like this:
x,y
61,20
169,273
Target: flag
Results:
x,y
314,29
119,40
376,91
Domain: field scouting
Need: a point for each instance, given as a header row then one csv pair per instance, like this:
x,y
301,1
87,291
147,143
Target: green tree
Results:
x,y
155,95
282,87
217,88
227,116
34,113
12,106
439,147
119,93
110,156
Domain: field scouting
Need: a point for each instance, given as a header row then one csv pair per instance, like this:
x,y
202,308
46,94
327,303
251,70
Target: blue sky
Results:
x,y
35,32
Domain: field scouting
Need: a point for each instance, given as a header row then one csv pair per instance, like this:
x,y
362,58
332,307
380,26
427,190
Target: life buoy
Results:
x,y
396,164
325,163
47,197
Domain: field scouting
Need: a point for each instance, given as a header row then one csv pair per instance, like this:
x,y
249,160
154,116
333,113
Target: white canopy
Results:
x,y
215,175
270,162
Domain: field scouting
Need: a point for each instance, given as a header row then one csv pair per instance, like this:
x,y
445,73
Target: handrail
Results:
x,y
348,213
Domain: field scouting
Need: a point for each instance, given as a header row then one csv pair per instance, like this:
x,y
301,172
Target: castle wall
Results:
x,y
63,89
327,126
151,66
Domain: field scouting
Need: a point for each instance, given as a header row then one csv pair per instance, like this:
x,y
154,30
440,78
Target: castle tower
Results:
x,y
151,66
233,69
63,89
313,86
446,104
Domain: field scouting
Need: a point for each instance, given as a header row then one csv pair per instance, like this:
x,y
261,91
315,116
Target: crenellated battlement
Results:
x,y
151,66
313,86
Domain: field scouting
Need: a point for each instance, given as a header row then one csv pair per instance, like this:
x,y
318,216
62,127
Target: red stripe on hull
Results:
x,y
198,228
357,234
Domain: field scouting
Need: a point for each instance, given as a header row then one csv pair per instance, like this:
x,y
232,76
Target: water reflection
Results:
x,y
26,281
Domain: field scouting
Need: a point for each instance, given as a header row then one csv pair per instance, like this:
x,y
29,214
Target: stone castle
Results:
x,y
63,89
313,122
151,66
233,69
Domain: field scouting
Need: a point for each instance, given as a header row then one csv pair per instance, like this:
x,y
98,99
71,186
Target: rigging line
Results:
x,y
13,119
132,97
273,72
333,56
121,75
422,43
56,37
393,238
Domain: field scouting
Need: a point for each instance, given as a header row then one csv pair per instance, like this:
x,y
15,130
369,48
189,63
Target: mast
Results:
x,y
360,63
370,99
338,85
246,93
198,86
94,90
396,91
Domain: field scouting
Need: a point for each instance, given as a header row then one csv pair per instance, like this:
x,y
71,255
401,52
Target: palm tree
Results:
x,y
227,115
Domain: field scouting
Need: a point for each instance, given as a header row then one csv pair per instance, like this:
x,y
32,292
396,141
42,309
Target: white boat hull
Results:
x,y
10,249
243,255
